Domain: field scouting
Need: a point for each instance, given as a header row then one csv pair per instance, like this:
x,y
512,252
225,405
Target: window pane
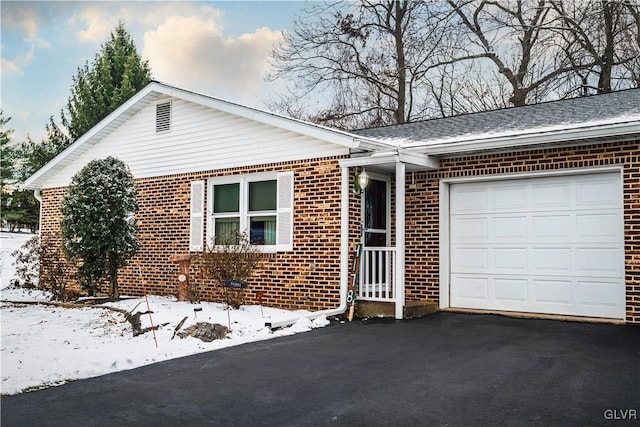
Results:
x,y
227,231
226,198
263,230
262,196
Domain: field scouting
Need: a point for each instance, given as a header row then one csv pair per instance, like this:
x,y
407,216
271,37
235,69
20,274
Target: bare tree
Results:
x,y
383,62
602,43
631,42
515,38
367,61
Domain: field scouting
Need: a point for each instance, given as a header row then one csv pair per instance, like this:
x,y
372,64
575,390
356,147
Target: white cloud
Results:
x,y
9,66
25,19
192,52
96,24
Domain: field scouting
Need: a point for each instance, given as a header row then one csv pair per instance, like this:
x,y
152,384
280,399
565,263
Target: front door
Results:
x,y
376,264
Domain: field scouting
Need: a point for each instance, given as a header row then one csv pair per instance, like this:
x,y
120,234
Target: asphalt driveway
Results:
x,y
445,369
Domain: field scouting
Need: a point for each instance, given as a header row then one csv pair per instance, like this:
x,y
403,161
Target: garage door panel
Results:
x,y
551,260
598,293
551,227
510,227
510,258
544,245
469,229
470,259
599,227
599,261
509,197
514,290
470,199
476,288
552,291
598,193
536,294
551,195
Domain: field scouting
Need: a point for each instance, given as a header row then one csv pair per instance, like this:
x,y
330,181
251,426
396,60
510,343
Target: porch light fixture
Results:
x,y
361,182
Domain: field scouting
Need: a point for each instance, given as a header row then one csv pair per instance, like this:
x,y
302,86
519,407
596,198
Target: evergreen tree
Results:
x,y
6,166
7,178
116,74
98,223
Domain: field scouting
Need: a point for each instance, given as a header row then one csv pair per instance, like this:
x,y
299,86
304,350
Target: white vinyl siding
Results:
x,y
550,245
201,139
196,229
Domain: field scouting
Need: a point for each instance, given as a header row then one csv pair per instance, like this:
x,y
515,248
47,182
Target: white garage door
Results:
x,y
541,245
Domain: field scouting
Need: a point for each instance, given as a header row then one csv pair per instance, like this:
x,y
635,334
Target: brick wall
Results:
x,y
422,204
308,277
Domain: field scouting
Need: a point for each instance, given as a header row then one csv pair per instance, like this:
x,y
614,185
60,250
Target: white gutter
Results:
x,y
492,142
38,195
344,261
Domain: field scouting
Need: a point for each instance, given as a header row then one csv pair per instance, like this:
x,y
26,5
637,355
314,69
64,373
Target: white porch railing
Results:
x,y
377,275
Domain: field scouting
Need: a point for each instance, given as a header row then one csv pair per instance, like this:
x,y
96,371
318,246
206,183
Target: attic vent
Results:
x,y
163,117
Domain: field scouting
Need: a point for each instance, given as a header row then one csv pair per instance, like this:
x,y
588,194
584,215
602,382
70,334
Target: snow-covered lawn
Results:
x,y
46,345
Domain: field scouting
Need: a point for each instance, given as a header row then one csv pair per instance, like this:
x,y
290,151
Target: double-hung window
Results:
x,y
258,204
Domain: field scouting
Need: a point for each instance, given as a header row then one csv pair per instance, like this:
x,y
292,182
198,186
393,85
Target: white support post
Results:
x,y
344,236
400,228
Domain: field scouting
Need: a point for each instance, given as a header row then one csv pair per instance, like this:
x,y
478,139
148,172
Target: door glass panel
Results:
x,y
375,239
375,199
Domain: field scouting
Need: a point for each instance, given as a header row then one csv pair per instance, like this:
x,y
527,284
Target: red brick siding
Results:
x,y
422,207
308,277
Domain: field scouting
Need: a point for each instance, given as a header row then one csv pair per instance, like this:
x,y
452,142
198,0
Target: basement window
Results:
x,y
163,117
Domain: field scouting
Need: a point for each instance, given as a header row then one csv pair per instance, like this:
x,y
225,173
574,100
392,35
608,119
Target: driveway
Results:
x,y
445,369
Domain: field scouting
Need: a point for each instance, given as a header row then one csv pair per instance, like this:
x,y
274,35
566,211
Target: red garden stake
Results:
x,y
144,289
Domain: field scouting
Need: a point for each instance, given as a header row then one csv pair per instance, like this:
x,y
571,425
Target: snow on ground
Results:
x,y
47,345
10,242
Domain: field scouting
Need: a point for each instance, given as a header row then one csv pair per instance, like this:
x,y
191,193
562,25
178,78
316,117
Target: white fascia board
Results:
x,y
416,161
614,130
370,160
35,181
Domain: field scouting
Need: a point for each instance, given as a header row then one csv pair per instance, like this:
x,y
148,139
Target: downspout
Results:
x,y
344,260
38,195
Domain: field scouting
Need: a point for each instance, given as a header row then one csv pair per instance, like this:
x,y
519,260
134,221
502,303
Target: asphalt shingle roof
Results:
x,y
596,108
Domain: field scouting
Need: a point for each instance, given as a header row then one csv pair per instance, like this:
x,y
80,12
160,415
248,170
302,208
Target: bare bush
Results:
x,y
232,261
41,263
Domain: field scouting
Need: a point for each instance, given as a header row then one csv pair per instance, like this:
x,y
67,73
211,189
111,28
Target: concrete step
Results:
x,y
387,309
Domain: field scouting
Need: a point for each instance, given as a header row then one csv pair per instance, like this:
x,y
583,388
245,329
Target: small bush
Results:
x,y
27,263
235,259
41,263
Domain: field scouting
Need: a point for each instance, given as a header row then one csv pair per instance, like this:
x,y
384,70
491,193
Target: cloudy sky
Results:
x,y
217,48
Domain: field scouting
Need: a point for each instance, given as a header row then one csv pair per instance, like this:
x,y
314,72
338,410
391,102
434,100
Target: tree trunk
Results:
x,y
113,276
606,66
402,65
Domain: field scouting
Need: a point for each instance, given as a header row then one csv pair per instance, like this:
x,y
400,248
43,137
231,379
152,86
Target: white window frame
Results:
x,y
244,214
